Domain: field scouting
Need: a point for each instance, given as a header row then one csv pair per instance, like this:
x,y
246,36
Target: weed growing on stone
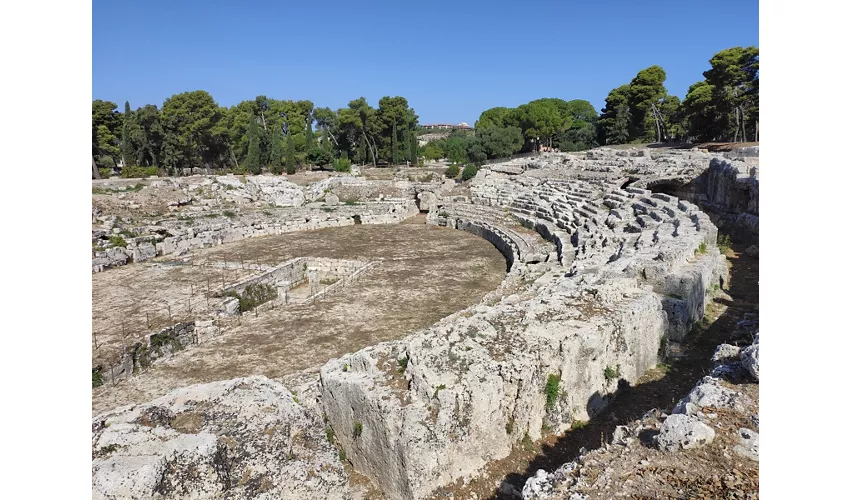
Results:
x,y
358,429
229,213
509,427
611,373
117,241
342,455
96,379
724,243
439,388
552,390
702,247
402,363
330,435
345,367
578,424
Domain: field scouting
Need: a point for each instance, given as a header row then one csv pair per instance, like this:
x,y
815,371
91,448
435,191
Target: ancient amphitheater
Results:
x,y
367,335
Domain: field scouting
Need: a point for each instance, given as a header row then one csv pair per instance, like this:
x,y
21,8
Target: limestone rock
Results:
x,y
331,200
708,393
241,438
750,360
748,444
726,353
683,432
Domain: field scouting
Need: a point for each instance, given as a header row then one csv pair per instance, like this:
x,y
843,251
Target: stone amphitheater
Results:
x,y
392,370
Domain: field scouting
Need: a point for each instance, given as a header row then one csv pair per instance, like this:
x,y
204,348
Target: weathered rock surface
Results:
x,y
750,359
708,393
241,438
683,432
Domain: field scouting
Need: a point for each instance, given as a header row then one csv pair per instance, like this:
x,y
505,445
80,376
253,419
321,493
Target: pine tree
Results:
x,y
252,163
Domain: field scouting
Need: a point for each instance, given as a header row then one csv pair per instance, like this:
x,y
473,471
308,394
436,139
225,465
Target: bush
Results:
x,y
96,379
724,243
552,384
611,373
117,241
342,165
702,247
320,156
105,173
229,213
290,169
358,429
135,171
452,171
469,172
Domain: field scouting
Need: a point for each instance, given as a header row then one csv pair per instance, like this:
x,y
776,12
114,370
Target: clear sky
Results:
x,y
450,59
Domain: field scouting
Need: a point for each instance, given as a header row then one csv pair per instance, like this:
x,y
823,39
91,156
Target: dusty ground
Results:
x,y
425,273
644,472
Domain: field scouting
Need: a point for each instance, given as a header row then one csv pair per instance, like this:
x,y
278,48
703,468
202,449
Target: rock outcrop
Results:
x,y
241,438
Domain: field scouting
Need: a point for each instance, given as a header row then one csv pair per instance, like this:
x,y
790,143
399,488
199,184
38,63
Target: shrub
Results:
x,y
552,384
611,373
96,379
229,213
469,172
342,165
342,455
439,388
117,241
579,424
290,169
402,363
330,434
702,247
319,156
358,429
105,173
134,172
724,242
452,171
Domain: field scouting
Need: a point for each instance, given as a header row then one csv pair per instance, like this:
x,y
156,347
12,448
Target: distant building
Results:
x,y
446,126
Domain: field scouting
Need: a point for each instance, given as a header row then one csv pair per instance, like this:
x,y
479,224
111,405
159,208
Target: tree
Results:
x,y
500,142
646,91
498,117
366,115
540,119
734,77
253,162
105,124
275,151
612,128
701,117
320,156
432,151
190,118
289,154
127,152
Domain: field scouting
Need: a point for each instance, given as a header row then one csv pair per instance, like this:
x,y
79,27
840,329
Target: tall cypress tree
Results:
x,y
395,144
289,154
126,145
275,151
309,134
252,163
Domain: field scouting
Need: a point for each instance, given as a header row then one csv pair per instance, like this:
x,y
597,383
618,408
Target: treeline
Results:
x,y
190,131
500,132
723,107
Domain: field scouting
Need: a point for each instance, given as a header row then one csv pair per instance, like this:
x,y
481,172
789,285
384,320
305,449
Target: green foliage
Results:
x,y
138,172
342,165
342,455
551,390
453,171
105,173
329,433
358,429
320,156
229,213
252,163
578,424
469,172
345,367
117,241
724,243
432,151
612,373
509,426
402,363
438,389
289,154
96,379
702,247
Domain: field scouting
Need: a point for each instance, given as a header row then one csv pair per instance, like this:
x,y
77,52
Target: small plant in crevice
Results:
x,y
345,367
117,241
612,373
724,243
552,383
702,247
358,429
229,213
96,379
509,427
439,388
330,435
402,363
342,456
578,424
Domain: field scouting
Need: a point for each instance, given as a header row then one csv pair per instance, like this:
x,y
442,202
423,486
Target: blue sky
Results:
x,y
450,59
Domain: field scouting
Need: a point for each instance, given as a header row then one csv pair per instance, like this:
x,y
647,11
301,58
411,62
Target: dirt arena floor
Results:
x,y
423,274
